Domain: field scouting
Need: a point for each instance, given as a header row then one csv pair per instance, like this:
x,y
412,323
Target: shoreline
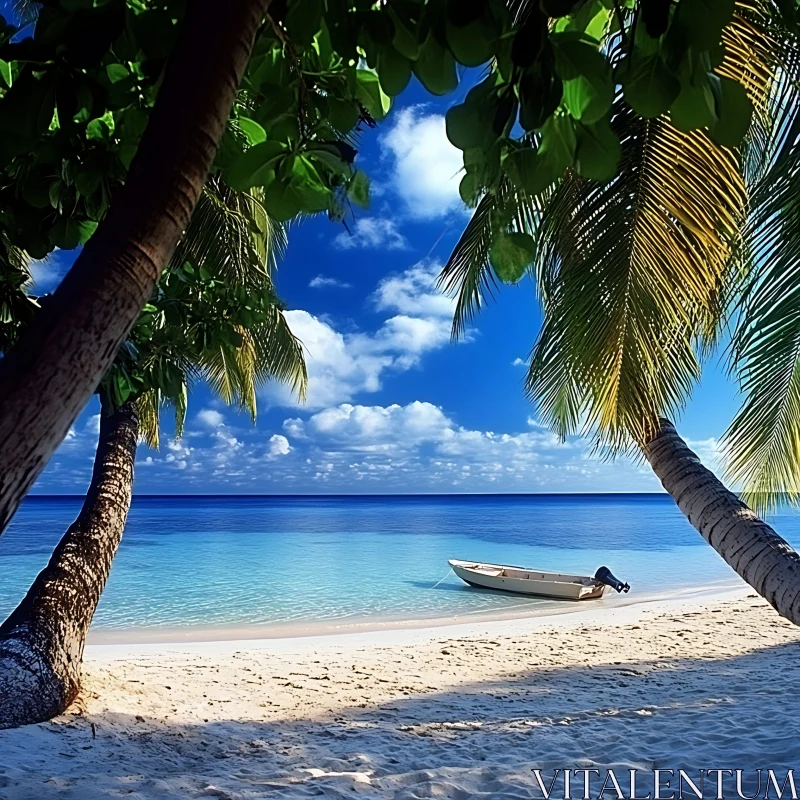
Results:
x,y
111,643
471,710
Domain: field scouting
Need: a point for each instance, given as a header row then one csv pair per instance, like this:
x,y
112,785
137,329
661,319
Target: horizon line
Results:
x,y
376,494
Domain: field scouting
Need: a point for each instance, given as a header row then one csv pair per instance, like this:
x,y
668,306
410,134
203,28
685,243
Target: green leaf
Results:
x,y
469,188
735,112
471,124
256,167
540,93
85,230
467,126
694,108
533,170
557,147
591,19
280,201
588,82
598,151
253,132
342,115
117,73
302,189
370,94
304,20
65,234
87,183
405,40
436,67
394,70
511,254
473,44
648,85
358,189
703,20
100,129
5,72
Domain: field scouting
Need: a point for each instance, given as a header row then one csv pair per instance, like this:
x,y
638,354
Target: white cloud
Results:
x,y
278,446
418,446
359,427
336,369
373,232
342,365
414,292
519,362
426,168
178,454
210,418
323,282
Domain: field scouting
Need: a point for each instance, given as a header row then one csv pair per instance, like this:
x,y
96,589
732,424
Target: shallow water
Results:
x,y
242,561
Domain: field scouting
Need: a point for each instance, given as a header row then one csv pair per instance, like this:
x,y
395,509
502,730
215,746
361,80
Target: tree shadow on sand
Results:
x,y
481,739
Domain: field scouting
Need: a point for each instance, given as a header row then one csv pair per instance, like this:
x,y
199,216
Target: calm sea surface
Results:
x,y
214,561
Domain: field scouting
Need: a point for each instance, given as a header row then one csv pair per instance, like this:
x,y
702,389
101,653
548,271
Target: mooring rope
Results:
x,y
446,575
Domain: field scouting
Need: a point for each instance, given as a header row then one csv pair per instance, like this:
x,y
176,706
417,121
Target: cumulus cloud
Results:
x,y
342,365
337,369
210,417
414,292
278,446
418,446
323,282
412,447
372,232
372,427
178,454
425,168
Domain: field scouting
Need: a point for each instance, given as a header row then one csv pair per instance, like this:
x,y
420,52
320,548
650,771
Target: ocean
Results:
x,y
283,564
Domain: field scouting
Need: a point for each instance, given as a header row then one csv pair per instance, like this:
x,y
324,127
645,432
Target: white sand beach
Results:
x,y
447,712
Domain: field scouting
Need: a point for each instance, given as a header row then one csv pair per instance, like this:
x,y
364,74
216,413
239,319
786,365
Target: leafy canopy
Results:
x,y
77,86
638,275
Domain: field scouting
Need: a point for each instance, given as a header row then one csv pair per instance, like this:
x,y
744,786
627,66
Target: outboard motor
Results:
x,y
604,576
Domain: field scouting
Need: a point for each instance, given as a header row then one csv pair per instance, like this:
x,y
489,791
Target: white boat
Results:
x,y
530,581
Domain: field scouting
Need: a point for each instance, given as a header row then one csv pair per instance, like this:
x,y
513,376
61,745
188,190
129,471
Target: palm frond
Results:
x,y
631,271
231,235
762,444
269,351
181,404
148,406
279,354
467,275
634,271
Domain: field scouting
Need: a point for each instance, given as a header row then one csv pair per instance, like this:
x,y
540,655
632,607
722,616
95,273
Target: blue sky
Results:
x,y
393,405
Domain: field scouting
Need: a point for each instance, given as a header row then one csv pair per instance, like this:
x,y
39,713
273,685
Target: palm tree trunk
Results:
x,y
750,546
42,641
49,376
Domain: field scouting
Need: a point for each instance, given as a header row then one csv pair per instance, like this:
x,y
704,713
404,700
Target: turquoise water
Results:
x,y
241,561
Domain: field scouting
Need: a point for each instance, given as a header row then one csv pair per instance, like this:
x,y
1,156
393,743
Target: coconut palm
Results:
x,y
636,276
214,317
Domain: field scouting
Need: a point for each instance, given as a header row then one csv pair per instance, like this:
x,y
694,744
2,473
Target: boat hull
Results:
x,y
519,580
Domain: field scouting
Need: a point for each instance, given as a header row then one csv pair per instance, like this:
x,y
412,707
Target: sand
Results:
x,y
447,712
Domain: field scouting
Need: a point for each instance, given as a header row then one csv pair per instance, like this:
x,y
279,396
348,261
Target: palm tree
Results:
x,y
68,349
636,276
218,283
